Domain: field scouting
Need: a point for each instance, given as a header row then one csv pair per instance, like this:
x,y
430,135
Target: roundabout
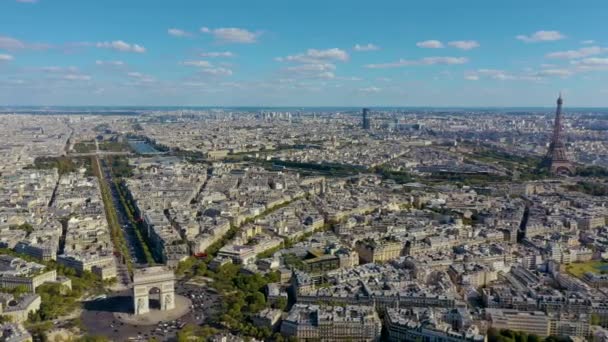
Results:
x,y
152,317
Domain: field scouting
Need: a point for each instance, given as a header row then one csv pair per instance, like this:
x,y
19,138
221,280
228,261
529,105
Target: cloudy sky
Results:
x,y
303,53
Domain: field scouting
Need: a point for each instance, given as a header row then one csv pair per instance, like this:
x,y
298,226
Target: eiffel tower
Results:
x,y
556,159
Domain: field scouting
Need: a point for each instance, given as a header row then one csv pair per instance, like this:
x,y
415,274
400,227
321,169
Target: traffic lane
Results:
x,y
105,324
205,304
135,250
98,316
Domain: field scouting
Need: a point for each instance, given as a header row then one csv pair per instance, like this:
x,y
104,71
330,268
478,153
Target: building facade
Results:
x,y
327,323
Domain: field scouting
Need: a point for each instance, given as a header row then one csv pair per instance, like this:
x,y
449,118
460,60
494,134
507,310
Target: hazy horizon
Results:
x,y
4,108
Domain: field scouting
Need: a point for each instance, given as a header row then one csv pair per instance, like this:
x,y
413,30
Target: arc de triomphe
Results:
x,y
146,279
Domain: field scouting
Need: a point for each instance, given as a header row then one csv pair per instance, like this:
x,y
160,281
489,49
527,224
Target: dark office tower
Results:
x,y
556,159
365,120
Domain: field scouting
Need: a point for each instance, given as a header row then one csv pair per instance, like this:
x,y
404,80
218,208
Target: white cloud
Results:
x,y
526,75
194,84
236,84
328,75
142,84
351,78
13,82
217,54
140,77
232,35
5,58
311,68
423,61
580,53
120,45
112,63
554,72
27,1
217,71
430,44
496,74
594,61
370,90
312,71
58,69
491,73
76,77
541,36
464,44
588,42
444,60
590,64
366,47
178,32
9,43
200,64
317,56
331,54
12,44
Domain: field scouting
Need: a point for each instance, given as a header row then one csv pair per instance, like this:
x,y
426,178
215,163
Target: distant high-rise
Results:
x,y
556,159
365,124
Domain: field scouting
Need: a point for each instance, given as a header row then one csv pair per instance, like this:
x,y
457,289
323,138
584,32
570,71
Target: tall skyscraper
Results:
x,y
365,124
556,159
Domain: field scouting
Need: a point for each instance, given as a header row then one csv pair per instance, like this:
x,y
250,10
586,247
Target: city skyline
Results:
x,y
231,170
309,54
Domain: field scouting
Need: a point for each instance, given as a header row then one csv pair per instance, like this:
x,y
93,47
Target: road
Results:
x,y
98,316
121,268
135,249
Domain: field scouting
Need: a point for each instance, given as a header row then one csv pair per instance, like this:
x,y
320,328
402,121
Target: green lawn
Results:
x,y
84,147
578,269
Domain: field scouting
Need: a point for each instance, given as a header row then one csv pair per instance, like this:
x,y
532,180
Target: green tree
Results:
x,y
55,302
26,227
256,302
40,329
185,266
201,269
19,291
280,303
185,333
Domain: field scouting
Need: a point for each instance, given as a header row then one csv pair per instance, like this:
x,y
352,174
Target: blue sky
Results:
x,y
303,53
